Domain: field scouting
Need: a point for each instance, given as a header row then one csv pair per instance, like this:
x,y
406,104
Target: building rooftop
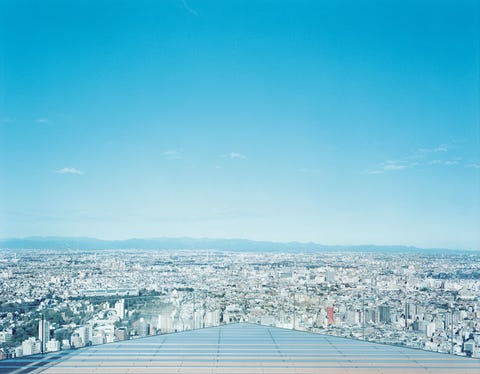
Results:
x,y
245,348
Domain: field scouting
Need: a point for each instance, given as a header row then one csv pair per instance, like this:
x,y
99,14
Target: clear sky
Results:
x,y
346,122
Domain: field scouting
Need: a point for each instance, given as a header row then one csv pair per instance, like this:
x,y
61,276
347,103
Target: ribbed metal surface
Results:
x,y
245,348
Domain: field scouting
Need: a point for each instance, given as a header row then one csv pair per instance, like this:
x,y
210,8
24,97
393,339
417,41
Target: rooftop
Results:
x,y
245,348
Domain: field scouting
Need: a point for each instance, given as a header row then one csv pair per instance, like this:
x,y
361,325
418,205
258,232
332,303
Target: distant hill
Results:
x,y
192,243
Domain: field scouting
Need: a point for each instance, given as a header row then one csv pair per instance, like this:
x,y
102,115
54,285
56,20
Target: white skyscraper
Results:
x,y
84,335
120,308
43,334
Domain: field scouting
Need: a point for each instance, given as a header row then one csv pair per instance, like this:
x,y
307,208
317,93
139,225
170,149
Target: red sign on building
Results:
x,y
330,315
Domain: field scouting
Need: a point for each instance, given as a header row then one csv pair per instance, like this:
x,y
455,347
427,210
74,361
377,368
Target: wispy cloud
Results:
x,y
236,155
422,157
442,162
474,166
451,162
42,120
377,171
392,166
440,148
69,171
189,9
172,154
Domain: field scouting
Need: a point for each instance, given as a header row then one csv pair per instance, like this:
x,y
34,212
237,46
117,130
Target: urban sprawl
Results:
x,y
55,300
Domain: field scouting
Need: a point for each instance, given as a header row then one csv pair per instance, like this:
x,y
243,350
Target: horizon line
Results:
x,y
52,237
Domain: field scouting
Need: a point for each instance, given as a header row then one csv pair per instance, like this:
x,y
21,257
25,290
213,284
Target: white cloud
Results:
x,y
236,155
422,157
449,163
69,171
442,162
397,165
440,148
43,120
392,166
172,154
474,165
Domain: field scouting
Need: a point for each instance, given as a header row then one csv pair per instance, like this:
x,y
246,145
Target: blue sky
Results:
x,y
347,122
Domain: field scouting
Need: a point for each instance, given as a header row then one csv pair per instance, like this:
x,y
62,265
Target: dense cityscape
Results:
x,y
52,300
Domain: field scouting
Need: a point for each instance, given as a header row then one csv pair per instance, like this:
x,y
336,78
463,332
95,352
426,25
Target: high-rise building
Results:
x,y
165,323
143,328
5,336
198,319
76,340
83,332
330,315
330,276
430,329
53,345
31,346
43,334
384,313
212,318
18,351
120,308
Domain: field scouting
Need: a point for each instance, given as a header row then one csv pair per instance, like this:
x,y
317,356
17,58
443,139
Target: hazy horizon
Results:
x,y
312,121
231,241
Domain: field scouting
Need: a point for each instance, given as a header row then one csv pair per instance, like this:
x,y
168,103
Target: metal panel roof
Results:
x,y
247,348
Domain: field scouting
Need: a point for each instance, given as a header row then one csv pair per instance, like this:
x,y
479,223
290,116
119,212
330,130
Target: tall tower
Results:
x,y
43,333
120,308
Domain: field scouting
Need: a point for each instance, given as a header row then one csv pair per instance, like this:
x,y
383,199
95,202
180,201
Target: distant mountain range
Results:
x,y
201,244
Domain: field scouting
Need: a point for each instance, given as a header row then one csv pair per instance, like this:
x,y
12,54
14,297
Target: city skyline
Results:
x,y
91,297
341,124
